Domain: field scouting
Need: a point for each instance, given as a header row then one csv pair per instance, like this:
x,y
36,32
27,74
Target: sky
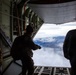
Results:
x,y
51,52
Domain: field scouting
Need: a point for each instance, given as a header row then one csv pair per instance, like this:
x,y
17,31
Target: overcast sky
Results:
x,y
52,56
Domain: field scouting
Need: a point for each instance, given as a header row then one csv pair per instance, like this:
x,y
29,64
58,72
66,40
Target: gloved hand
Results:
x,y
39,47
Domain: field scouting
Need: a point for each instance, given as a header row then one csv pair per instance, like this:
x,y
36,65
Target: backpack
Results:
x,y
17,47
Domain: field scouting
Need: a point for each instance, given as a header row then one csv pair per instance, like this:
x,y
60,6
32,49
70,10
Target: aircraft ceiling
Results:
x,y
48,1
55,12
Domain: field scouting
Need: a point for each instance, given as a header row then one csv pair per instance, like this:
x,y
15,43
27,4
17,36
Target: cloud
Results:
x,y
51,37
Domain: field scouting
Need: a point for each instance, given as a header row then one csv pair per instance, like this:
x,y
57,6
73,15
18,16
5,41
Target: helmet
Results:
x,y
29,29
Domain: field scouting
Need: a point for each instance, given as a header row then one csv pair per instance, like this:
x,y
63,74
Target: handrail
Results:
x,y
6,41
5,38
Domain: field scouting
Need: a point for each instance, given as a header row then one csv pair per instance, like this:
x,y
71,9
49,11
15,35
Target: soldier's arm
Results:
x,y
66,45
33,45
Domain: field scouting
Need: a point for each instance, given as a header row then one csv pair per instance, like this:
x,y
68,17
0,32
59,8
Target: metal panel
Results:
x,y
55,13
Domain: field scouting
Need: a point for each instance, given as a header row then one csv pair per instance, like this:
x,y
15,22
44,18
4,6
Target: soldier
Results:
x,y
23,51
69,49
